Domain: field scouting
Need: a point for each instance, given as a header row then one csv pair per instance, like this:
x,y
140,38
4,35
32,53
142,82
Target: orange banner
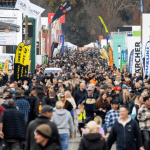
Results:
x,y
111,57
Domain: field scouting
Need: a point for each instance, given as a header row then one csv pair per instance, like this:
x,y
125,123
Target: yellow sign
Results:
x,y
6,66
19,53
1,65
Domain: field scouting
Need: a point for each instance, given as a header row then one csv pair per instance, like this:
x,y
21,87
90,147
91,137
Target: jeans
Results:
x,y
146,137
11,146
104,128
1,143
64,141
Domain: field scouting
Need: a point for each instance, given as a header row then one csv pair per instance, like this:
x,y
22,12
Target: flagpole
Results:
x,y
26,30
59,36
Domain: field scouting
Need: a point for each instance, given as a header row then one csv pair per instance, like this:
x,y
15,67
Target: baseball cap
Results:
x,y
90,89
46,108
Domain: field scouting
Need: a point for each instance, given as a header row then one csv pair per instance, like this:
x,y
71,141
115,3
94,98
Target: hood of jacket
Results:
x,y
124,122
92,137
61,112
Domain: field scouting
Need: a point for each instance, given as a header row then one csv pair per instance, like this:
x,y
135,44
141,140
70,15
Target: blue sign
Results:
x,y
62,40
141,6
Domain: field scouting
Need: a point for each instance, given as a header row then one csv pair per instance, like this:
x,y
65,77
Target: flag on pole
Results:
x,y
106,30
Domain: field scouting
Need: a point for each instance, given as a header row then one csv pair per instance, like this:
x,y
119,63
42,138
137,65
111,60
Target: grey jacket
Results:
x,y
63,120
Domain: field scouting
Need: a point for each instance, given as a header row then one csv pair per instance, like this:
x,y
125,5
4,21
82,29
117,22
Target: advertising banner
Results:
x,y
21,61
62,40
29,9
118,45
105,54
63,9
147,59
141,6
111,57
14,24
133,43
6,66
145,30
131,61
100,38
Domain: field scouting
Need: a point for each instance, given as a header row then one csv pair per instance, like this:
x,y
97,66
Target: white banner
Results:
x,y
147,60
34,11
29,9
22,5
134,43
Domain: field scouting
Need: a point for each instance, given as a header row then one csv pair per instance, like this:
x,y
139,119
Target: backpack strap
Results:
x,y
44,100
136,107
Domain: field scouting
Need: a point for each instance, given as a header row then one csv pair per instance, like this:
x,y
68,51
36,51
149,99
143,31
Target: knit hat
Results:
x,y
44,130
124,86
105,86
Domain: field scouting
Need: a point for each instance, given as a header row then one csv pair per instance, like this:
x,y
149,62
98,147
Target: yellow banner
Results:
x,y
6,66
24,56
106,30
105,54
18,53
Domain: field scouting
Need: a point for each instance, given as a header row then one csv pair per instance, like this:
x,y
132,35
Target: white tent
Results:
x,y
70,45
93,44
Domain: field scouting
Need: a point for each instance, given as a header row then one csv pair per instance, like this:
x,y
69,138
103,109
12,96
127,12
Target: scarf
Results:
x,y
63,103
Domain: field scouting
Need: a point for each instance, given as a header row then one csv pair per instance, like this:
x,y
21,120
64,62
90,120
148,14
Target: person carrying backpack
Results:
x,y
41,100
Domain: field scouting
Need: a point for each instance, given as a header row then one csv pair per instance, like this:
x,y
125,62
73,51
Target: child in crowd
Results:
x,y
81,117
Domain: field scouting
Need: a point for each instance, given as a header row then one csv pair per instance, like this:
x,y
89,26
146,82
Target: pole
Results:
x,y
141,41
26,30
40,42
59,35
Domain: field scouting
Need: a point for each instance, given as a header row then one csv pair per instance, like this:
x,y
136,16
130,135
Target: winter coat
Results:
x,y
78,95
125,135
31,142
92,141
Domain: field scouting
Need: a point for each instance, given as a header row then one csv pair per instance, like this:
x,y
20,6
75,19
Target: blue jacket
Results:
x,y
125,136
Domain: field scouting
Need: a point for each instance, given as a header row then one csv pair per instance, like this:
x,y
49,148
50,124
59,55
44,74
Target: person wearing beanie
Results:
x,y
46,114
42,136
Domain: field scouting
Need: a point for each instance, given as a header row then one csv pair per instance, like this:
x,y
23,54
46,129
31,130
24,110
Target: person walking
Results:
x,y
63,120
88,101
46,114
144,121
112,115
92,140
124,132
22,104
42,136
15,133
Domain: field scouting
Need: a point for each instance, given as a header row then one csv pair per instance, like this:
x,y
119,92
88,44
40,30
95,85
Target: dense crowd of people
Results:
x,y
39,111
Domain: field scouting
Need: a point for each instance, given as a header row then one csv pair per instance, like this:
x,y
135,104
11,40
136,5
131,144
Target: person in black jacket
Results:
x,y
15,134
42,136
79,93
101,107
12,78
92,140
124,132
46,114
60,84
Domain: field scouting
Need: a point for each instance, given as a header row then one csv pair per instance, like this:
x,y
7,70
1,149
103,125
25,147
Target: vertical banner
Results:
x,y
131,61
111,57
62,40
147,62
100,38
141,6
118,45
17,64
6,66
105,54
